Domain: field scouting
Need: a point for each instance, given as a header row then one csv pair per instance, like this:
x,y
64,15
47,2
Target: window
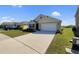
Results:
x,y
40,17
47,16
31,25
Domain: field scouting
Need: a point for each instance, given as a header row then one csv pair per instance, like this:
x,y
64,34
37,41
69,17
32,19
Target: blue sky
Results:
x,y
65,13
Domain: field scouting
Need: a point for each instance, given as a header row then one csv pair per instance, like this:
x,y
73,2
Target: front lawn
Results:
x,y
13,33
60,42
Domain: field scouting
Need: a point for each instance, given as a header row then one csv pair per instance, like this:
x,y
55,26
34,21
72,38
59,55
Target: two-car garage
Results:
x,y
48,27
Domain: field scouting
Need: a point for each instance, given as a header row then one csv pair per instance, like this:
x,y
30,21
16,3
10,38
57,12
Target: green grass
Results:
x,y
13,33
60,42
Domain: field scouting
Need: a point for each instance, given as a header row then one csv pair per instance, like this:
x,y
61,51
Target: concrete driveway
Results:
x,y
38,41
32,43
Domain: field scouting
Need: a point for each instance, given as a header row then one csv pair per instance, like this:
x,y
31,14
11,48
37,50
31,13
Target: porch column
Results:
x,y
34,26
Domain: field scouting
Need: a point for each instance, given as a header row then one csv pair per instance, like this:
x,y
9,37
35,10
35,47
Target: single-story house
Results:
x,y
45,23
77,19
14,25
9,25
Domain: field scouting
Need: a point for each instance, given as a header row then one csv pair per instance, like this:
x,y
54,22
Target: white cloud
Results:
x,y
56,13
7,19
19,6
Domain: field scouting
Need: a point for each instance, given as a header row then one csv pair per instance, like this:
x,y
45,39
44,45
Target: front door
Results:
x,y
37,26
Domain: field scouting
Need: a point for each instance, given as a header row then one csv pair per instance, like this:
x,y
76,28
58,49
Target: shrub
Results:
x,y
74,28
30,30
59,31
69,26
23,27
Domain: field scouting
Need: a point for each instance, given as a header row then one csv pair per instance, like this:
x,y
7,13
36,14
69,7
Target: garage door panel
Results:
x,y
48,27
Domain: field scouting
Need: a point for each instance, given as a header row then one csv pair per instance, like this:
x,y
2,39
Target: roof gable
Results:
x,y
46,18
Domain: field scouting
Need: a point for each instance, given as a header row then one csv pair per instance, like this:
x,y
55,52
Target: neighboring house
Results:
x,y
14,25
10,25
77,19
45,23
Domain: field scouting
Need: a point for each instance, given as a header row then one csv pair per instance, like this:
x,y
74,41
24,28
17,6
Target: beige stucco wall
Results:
x,y
59,25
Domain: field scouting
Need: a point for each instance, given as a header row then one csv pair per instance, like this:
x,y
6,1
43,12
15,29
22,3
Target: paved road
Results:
x,y
37,42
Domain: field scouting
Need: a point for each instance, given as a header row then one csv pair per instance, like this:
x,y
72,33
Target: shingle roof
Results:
x,y
49,17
